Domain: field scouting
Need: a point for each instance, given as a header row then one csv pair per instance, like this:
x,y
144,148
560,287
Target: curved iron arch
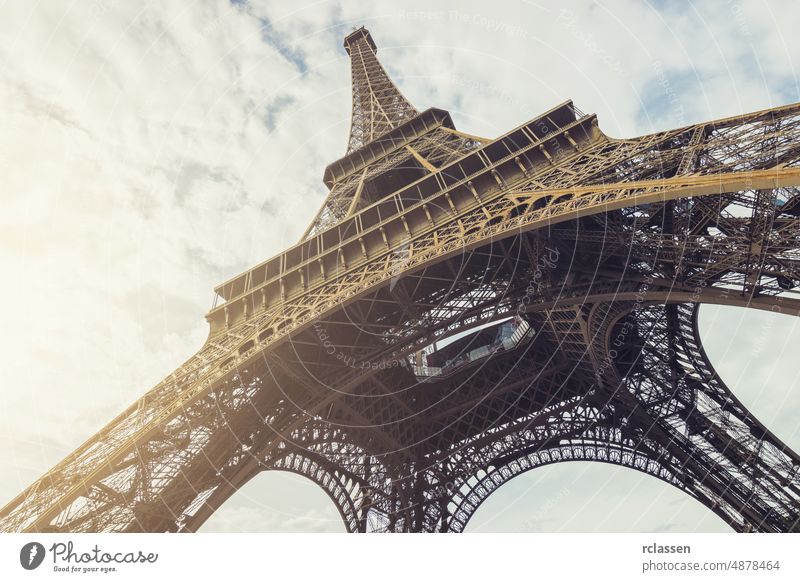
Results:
x,y
326,479
467,501
460,517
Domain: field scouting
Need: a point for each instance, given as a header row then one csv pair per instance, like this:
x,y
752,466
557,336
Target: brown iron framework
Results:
x,y
600,251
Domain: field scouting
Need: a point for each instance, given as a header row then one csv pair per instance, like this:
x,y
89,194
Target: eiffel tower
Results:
x,y
462,310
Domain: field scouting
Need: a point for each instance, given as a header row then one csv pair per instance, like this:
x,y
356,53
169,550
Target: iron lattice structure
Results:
x,y
462,310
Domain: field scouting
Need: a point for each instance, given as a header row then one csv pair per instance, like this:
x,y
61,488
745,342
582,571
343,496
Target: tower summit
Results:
x,y
390,143
378,105
462,310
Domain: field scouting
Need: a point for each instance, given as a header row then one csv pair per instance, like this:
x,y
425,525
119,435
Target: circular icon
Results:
x,y
31,555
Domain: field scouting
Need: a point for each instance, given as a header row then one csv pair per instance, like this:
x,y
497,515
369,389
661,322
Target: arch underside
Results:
x,y
720,446
335,483
686,429
329,480
331,465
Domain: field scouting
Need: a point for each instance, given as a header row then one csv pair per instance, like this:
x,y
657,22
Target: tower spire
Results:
x,y
378,105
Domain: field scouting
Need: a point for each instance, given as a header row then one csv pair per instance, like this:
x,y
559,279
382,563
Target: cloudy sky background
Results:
x,y
150,150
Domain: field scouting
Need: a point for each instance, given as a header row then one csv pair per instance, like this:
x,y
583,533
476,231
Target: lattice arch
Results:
x,y
338,487
464,504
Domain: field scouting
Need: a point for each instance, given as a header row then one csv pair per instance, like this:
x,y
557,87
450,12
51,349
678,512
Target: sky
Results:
x,y
151,150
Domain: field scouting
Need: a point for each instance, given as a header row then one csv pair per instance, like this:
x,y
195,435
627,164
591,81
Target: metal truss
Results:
x,y
602,248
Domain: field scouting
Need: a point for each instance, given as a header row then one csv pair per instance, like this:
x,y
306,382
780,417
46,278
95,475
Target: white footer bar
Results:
x,y
333,557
